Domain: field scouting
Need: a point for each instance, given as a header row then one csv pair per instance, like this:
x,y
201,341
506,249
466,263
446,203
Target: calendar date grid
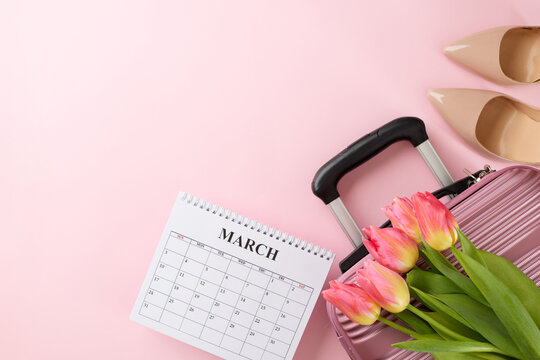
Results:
x,y
211,295
211,282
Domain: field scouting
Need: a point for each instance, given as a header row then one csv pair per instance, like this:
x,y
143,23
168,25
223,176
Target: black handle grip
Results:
x,y
325,182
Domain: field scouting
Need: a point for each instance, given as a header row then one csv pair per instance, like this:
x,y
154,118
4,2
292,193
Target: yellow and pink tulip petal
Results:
x,y
386,287
438,225
401,214
354,302
391,247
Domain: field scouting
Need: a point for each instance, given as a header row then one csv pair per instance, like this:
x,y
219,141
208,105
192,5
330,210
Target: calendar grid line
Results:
x,y
215,297
221,317
187,307
184,250
198,282
249,329
294,281
170,291
273,292
242,295
213,343
199,308
299,322
235,306
281,310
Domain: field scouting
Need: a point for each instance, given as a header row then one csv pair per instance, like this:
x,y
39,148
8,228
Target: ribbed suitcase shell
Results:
x,y
501,214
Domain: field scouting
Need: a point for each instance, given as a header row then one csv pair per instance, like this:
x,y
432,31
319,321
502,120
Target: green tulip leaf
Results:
x,y
445,327
468,356
446,346
438,306
457,327
506,305
450,272
413,321
423,255
520,284
490,356
432,283
482,319
469,248
455,356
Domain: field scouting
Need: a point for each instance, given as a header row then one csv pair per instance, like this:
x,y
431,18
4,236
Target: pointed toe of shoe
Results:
x,y
461,108
506,55
491,121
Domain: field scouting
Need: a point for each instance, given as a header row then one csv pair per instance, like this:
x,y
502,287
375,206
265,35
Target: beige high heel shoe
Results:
x,y
507,55
492,121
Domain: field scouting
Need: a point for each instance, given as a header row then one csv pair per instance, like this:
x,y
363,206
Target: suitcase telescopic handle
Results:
x,y
326,179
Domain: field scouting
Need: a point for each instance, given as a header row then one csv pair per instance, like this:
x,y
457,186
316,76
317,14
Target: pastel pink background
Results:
x,y
109,108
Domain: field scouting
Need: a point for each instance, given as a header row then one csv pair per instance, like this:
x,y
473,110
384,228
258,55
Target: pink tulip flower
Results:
x,y
391,247
386,287
401,214
354,302
438,225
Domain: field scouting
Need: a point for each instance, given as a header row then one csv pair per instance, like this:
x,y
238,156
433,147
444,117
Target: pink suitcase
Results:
x,y
499,211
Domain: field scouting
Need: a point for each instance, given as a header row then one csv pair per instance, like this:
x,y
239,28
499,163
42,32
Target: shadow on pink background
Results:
x,y
109,108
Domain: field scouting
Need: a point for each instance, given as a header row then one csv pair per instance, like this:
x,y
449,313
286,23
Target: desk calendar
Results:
x,y
229,285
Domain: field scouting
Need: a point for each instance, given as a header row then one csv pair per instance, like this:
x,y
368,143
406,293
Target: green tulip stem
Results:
x,y
437,326
399,327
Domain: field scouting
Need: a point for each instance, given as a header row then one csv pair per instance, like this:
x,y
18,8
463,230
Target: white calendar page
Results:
x,y
217,283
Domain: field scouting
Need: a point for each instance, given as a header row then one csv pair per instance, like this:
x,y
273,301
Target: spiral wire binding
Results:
x,y
256,226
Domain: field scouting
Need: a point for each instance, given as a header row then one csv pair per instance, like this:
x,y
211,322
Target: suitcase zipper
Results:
x,y
487,170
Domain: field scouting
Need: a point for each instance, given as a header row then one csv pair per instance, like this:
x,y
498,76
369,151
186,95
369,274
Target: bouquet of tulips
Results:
x,y
491,312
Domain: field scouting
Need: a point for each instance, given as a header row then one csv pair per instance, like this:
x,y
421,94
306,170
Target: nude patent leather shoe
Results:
x,y
492,121
507,55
